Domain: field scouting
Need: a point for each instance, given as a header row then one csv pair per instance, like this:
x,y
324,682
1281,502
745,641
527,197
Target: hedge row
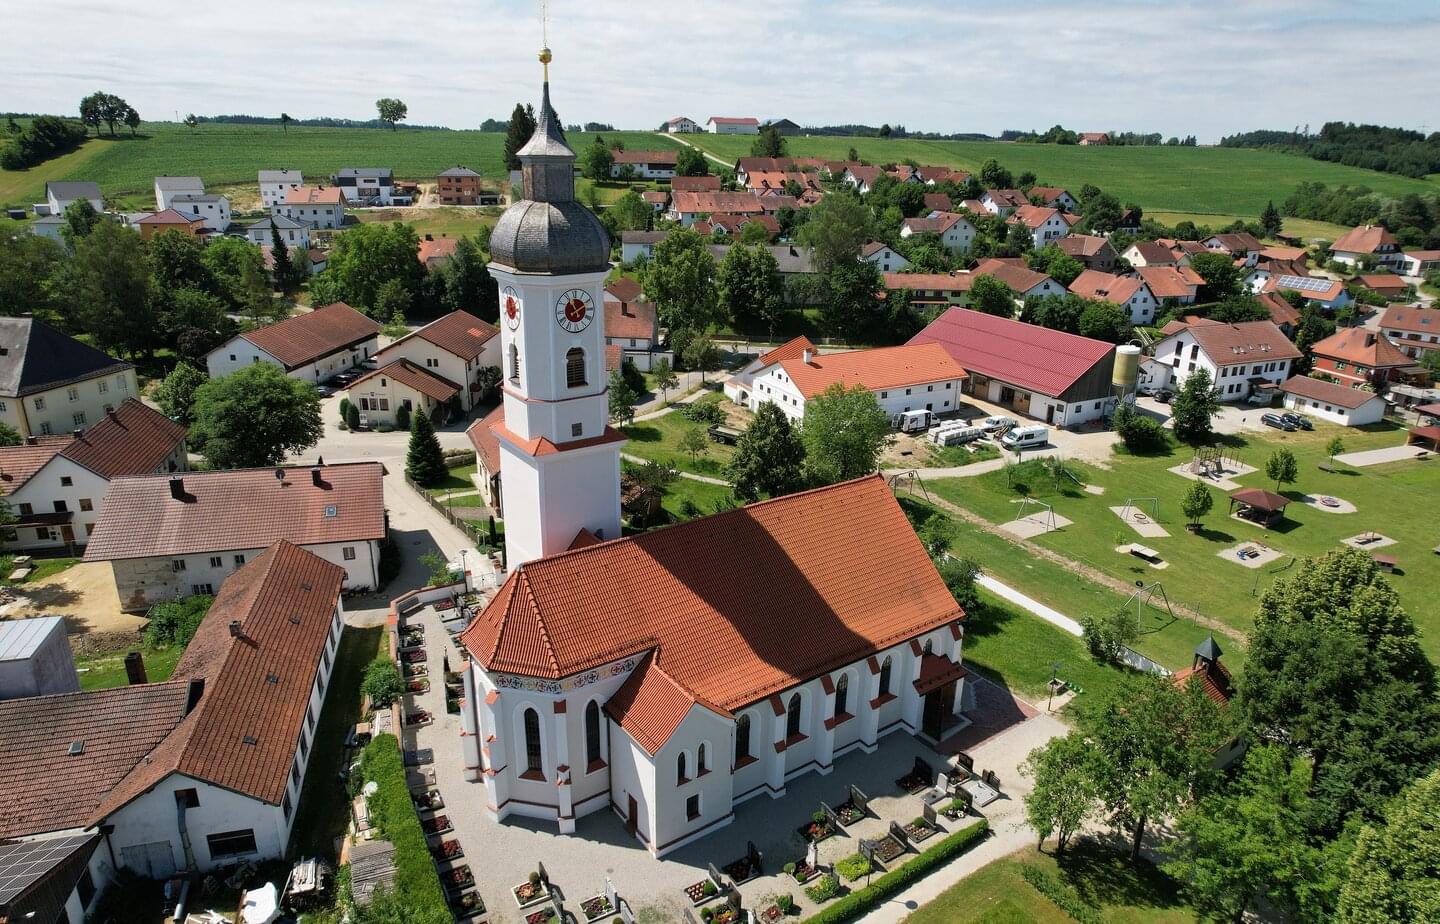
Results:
x,y
417,884
1063,896
869,898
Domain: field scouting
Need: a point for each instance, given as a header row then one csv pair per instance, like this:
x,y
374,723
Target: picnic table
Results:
x,y
1145,552
1386,562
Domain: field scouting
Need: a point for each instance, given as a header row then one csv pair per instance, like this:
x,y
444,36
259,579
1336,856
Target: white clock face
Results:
x,y
575,310
510,307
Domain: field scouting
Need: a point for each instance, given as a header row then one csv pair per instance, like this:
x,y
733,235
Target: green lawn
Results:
x,y
107,670
1106,882
456,479
45,568
1196,574
1224,181
324,812
1303,228
658,440
439,222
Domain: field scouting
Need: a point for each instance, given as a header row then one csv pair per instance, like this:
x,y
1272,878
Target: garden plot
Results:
x,y
1251,554
1366,542
1140,521
1328,503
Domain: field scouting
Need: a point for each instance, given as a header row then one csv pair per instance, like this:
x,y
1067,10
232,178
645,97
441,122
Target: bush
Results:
x,y
402,418
174,623
1139,432
863,900
416,883
633,376
824,889
853,867
382,682
344,410
1063,896
706,412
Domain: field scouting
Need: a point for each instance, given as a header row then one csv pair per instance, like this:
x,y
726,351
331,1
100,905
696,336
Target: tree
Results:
x,y
1335,447
769,143
680,279
694,443
769,458
749,286
1281,468
105,290
1140,432
29,266
363,260
285,121
852,308
284,270
80,219
1055,263
192,321
90,112
622,399
837,227
352,417
994,176
991,296
238,269
1430,359
702,356
1222,278
1192,409
1064,794
1101,213
132,120
664,377
517,132
1270,221
467,283
103,107
254,417
9,436
488,380
596,160
1392,873
1249,843
752,232
424,461
845,433
391,111
1105,321
690,162
1238,308
382,682
192,122
628,213
1196,503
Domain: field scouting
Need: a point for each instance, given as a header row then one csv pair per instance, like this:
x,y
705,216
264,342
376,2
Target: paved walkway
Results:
x,y
1005,591
1381,456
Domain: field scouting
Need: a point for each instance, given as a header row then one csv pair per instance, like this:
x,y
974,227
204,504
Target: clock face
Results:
x,y
510,307
575,310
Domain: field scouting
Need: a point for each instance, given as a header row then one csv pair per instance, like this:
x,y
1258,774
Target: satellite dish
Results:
x,y
279,474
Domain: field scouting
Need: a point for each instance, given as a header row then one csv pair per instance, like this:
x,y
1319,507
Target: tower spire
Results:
x,y
545,55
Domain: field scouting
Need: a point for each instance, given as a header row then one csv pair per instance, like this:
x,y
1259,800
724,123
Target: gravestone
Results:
x,y
812,857
965,760
992,779
753,854
544,876
734,900
922,769
610,895
689,916
898,833
715,875
928,813
867,850
859,799
628,916
830,814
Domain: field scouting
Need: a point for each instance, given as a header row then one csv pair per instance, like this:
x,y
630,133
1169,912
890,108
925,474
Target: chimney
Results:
x,y
808,357
177,488
235,630
193,694
135,669
76,432
112,415
315,478
30,441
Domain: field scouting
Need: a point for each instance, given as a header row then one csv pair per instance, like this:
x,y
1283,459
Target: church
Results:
x,y
671,675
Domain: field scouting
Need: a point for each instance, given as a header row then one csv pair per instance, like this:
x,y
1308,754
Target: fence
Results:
x,y
478,534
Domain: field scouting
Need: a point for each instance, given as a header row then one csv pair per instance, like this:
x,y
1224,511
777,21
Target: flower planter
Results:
x,y
426,800
697,893
452,706
725,915
413,655
849,814
804,872
440,824
418,669
468,905
816,831
448,850
419,717
913,783
541,916
417,686
771,913
528,894
443,605
458,879
888,848
918,831
596,908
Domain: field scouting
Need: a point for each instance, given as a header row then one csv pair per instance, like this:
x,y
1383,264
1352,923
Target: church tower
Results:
x,y
559,458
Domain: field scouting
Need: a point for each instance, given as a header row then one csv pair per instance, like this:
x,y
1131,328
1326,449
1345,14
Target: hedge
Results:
x,y
869,898
417,884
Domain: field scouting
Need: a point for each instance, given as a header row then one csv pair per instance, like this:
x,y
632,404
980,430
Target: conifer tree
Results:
x,y
424,463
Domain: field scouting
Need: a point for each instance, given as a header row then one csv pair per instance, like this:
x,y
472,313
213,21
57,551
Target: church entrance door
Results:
x,y
632,818
938,704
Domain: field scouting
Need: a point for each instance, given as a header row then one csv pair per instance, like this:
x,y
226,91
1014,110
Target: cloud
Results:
x,y
1173,66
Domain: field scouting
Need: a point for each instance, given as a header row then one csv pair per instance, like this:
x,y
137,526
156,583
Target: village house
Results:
x,y
734,225
293,233
1130,222
51,383
1152,253
381,393
737,386
681,126
1129,292
1329,294
728,125
1412,328
1238,244
318,206
957,233
1092,251
487,458
1242,359
902,378
1022,281
1093,138
461,186
883,257
707,183
1341,404
55,485
938,202
657,199
1359,357
59,196
49,226
1055,197
1419,262
1394,288
689,207
930,289
774,182
434,252
1045,224
178,535
1368,244
312,346
637,244
275,186
630,322
862,177
1003,201
169,220
213,209
744,166
453,348
1178,283
191,775
644,165
1285,315
367,186
168,187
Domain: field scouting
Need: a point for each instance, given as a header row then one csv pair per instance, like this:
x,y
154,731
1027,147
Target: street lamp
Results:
x,y
1054,682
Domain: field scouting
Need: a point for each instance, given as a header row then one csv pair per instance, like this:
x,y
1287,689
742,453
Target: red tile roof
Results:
x,y
1281,311
314,195
1383,282
1017,277
629,319
651,704
243,733
18,464
879,369
938,202
740,203
1032,216
487,446
170,217
695,184
943,282
1032,357
1411,319
1362,347
1245,342
1328,392
1154,253
625,289
672,592
413,376
307,337
655,196
1217,690
664,158
791,349
1333,289
242,509
1107,287
1082,245
1170,281
1364,239
1049,194
133,439
436,250
44,787
458,332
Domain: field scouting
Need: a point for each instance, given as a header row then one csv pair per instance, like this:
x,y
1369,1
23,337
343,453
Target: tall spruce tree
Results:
x,y
424,462
280,259
522,126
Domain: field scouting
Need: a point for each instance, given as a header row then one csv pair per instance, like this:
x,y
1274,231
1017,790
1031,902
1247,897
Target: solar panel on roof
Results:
x,y
1305,283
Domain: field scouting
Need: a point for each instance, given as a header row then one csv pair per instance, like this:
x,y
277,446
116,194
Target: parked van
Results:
x,y
912,421
1026,437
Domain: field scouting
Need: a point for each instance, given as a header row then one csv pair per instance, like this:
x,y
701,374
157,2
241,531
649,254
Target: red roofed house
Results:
x,y
1329,294
434,252
727,125
1214,679
313,346
1089,138
688,207
956,231
55,485
1412,328
1055,197
1349,407
317,206
198,772
1393,287
1241,358
1284,314
1357,356
931,288
902,378
170,220
1093,251
1129,292
737,387
643,165
452,349
883,256
631,325
1022,281
1180,283
381,393
1044,223
1060,378
706,183
1419,262
169,536
1368,242
1152,253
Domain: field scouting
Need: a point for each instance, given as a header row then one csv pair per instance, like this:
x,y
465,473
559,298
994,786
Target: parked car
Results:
x,y
324,391
1278,422
1300,421
1164,395
997,422
341,379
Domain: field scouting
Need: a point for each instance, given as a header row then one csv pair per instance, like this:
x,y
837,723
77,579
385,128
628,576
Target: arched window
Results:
x,y
680,768
842,694
885,676
742,738
532,742
514,363
792,719
702,766
592,733
575,367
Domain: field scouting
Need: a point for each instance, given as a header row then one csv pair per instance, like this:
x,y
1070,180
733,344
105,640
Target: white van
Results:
x,y
1026,437
912,421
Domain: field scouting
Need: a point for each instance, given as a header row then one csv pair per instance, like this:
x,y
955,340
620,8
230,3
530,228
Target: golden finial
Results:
x,y
545,62
545,38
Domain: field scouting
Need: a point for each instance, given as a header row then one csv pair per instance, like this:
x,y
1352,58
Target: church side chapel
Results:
x,y
671,675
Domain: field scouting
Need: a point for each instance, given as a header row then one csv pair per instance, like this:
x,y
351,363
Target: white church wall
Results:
x,y
674,825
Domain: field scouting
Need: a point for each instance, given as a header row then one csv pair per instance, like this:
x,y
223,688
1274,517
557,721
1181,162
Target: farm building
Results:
x,y
1349,407
313,347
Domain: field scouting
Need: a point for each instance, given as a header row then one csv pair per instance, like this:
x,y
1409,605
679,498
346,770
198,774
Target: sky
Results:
x,y
1170,66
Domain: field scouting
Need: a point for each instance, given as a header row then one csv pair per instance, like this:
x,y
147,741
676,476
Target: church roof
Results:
x,y
841,562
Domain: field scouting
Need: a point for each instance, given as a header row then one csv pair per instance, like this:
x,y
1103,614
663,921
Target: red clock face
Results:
x,y
574,310
510,307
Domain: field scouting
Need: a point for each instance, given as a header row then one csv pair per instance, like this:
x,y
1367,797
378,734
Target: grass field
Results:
x,y
104,671
1119,891
658,440
1197,575
1219,181
225,154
